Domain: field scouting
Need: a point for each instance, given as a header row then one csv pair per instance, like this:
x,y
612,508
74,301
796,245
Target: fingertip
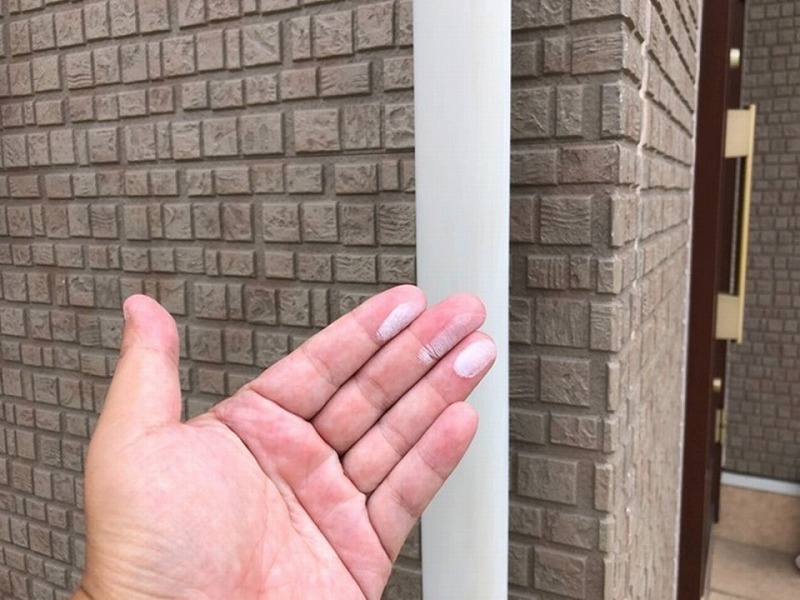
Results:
x,y
476,358
148,323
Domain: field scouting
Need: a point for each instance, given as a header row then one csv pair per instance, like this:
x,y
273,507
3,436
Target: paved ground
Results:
x,y
744,572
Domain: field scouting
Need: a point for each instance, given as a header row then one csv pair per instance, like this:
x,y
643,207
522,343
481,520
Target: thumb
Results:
x,y
145,390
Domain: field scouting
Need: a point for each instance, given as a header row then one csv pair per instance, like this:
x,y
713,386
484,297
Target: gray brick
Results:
x,y
294,307
528,426
361,127
179,56
260,305
304,179
374,25
153,15
519,559
562,322
399,126
525,520
316,130
123,17
548,479
300,32
332,34
346,80
575,431
261,44
69,28
103,145
279,264
220,137
548,272
261,89
210,50
532,113
560,572
262,134
320,222
396,269
565,220
314,267
590,164
281,222
598,53
225,94
534,167
360,178
531,15
355,268
565,381
205,344
299,83
398,73
405,23
555,55
222,9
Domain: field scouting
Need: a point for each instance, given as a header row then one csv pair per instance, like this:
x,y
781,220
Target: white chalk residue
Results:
x,y
400,318
474,358
445,340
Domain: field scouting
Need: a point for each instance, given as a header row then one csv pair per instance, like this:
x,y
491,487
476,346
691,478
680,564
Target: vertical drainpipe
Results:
x,y
462,75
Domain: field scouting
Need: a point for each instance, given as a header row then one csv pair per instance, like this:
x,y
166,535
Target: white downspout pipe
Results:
x,y
462,75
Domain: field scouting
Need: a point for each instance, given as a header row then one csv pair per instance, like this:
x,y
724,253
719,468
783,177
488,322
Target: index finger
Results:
x,y
306,379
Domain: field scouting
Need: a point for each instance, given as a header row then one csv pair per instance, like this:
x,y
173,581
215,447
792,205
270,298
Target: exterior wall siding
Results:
x,y
764,377
603,106
248,163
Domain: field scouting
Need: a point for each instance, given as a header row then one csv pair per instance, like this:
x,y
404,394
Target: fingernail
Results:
x,y
400,318
474,358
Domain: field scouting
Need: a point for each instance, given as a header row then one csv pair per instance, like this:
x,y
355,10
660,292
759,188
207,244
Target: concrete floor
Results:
x,y
743,572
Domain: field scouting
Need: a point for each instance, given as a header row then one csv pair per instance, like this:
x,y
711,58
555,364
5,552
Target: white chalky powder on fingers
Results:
x,y
474,358
400,318
445,340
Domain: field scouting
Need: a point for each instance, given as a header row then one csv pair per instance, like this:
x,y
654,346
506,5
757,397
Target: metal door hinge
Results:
x,y
721,427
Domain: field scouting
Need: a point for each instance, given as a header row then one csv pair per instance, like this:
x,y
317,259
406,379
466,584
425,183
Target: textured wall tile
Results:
x,y
361,125
332,34
345,80
560,572
316,130
565,381
566,221
532,113
547,478
261,44
374,25
562,322
262,134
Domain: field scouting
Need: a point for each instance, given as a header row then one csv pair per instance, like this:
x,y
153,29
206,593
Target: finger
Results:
x,y
374,456
396,505
360,402
304,381
145,390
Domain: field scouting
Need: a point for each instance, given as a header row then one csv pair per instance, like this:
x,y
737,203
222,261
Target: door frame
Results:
x,y
713,219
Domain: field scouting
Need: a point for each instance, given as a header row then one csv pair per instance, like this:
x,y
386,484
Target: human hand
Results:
x,y
305,482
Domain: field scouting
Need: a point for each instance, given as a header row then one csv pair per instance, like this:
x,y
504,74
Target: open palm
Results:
x,y
303,484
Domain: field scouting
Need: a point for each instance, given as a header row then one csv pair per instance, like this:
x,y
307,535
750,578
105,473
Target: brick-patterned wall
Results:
x,y
248,163
603,106
764,385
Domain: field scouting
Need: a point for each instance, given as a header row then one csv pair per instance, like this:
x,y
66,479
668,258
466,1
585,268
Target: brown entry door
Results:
x,y
715,208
